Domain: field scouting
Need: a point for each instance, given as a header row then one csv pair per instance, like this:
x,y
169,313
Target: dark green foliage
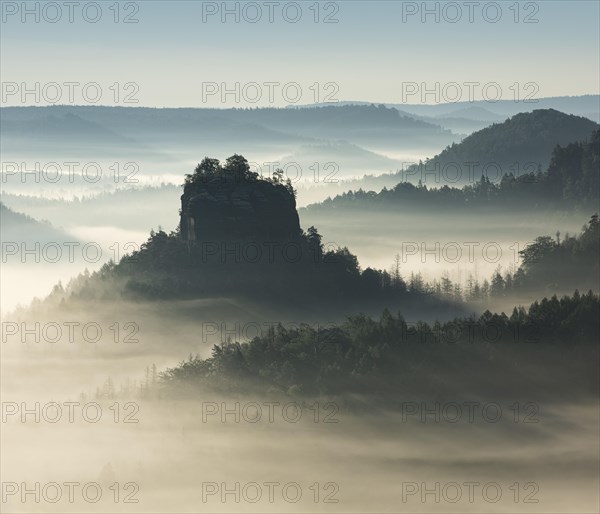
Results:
x,y
572,180
555,264
236,248
573,175
549,265
336,359
166,266
520,143
232,202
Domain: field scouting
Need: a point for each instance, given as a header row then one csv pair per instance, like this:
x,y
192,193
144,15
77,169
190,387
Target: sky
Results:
x,y
257,54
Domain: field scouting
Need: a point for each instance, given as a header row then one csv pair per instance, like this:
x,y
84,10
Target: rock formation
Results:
x,y
230,202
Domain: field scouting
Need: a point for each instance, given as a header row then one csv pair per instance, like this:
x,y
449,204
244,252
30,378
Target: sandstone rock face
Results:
x,y
220,208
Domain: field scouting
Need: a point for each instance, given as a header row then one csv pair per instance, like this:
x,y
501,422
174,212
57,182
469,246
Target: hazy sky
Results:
x,y
184,54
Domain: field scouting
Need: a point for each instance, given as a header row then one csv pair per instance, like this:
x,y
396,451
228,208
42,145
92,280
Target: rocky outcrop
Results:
x,y
221,206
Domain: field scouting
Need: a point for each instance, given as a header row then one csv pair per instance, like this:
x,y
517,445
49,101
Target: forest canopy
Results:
x,y
318,360
572,180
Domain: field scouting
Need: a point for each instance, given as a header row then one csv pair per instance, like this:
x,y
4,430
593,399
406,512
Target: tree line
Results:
x,y
330,359
571,180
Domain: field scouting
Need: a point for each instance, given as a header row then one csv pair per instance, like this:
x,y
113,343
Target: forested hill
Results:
x,y
239,237
16,227
521,144
376,356
572,180
353,123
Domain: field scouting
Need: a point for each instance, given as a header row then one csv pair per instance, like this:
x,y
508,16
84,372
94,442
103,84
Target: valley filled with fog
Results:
x,y
95,355
299,257
98,199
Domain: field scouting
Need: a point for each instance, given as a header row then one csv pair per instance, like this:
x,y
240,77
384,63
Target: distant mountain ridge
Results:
x,y
571,182
582,105
466,117
17,227
171,134
292,121
520,145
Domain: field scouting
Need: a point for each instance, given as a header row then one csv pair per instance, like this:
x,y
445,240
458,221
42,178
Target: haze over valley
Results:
x,y
329,257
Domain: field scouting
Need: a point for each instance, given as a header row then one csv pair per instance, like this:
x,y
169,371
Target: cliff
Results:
x,y
230,202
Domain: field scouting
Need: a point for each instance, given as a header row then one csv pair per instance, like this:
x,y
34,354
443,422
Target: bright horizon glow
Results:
x,y
370,55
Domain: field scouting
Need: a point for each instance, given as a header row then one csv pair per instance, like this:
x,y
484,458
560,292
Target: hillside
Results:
x,y
468,116
16,227
314,145
239,237
50,131
152,207
521,144
378,356
177,127
583,105
572,180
